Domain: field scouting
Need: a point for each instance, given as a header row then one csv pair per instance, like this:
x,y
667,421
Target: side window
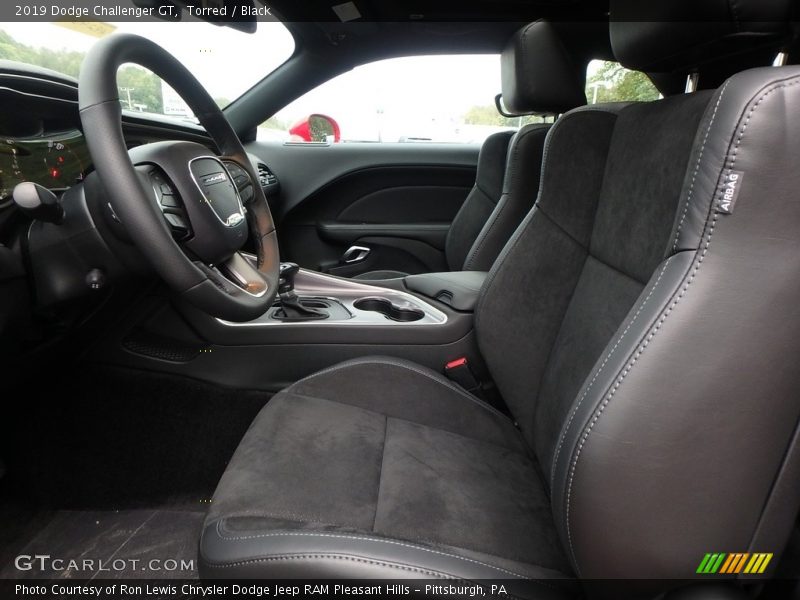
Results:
x,y
446,99
608,81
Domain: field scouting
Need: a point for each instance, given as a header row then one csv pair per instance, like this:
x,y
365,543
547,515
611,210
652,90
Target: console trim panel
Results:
x,y
310,284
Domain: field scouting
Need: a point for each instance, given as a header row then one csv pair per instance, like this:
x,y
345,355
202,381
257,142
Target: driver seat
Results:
x,y
642,327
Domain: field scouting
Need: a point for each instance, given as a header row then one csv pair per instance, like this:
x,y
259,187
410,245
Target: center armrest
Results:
x,y
458,289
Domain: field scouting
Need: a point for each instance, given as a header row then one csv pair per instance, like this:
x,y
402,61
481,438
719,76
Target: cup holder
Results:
x,y
389,310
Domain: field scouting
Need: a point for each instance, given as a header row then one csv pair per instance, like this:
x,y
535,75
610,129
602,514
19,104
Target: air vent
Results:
x,y
265,176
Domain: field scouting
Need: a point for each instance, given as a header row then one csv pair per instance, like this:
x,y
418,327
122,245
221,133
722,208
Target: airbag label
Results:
x,y
729,191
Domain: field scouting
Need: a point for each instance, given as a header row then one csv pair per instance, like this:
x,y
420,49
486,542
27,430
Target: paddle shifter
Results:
x,y
292,308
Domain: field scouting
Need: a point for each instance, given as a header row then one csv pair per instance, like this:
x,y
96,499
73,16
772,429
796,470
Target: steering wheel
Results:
x,y
197,252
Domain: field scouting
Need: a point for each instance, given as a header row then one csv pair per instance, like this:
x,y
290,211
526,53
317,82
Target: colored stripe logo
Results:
x,y
734,563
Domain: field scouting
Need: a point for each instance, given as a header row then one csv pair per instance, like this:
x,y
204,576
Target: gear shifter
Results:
x,y
292,308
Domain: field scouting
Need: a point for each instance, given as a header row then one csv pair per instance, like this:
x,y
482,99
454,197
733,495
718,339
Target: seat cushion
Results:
x,y
381,467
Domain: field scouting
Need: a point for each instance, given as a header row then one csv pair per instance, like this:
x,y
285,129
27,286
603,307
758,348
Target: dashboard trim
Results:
x,y
40,96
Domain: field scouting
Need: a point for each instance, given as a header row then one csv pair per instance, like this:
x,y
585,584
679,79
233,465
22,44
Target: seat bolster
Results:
x,y
520,188
482,200
245,553
634,329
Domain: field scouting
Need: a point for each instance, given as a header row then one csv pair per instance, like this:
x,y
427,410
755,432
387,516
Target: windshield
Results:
x,y
226,61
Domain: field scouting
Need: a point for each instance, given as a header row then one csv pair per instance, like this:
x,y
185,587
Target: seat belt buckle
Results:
x,y
458,371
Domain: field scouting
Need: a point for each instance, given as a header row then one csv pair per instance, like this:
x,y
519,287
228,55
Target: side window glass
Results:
x,y
608,81
418,99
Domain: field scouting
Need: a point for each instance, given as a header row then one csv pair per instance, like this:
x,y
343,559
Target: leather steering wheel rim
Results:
x,y
101,115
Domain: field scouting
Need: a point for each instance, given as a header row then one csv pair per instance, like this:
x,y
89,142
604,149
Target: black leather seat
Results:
x,y
642,327
539,77
377,459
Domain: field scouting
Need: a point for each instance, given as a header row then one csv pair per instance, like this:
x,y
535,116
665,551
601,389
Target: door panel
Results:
x,y
394,200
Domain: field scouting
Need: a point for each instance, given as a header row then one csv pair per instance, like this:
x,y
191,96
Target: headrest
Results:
x,y
538,74
661,36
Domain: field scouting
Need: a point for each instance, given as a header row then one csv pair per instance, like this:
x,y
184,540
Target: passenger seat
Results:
x,y
538,77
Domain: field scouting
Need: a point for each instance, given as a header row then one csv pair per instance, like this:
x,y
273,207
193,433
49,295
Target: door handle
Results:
x,y
355,254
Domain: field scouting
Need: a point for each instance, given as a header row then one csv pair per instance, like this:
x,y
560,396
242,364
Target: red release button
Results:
x,y
459,362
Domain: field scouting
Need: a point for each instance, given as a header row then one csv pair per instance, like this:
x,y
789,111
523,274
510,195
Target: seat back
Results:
x,y
539,76
481,202
642,323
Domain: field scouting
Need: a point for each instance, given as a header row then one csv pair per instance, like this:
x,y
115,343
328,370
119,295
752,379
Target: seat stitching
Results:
x,y
735,14
749,117
477,186
418,540
477,441
468,205
492,275
281,514
486,230
401,567
380,473
564,432
571,237
362,538
438,574
277,557
515,147
697,167
497,211
662,319
387,361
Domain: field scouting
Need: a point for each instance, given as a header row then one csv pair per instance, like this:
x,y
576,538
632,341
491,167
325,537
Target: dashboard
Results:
x,y
41,141
55,160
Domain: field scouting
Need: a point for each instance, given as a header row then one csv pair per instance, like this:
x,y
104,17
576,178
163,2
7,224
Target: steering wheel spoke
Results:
x,y
169,202
241,179
242,273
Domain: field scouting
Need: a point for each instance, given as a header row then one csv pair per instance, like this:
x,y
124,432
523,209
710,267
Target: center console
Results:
x,y
309,298
317,320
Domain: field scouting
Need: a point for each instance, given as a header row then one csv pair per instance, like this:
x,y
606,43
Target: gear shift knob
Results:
x,y
292,308
288,271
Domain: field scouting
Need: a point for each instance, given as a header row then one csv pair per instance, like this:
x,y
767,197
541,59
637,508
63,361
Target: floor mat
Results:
x,y
153,544
112,439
